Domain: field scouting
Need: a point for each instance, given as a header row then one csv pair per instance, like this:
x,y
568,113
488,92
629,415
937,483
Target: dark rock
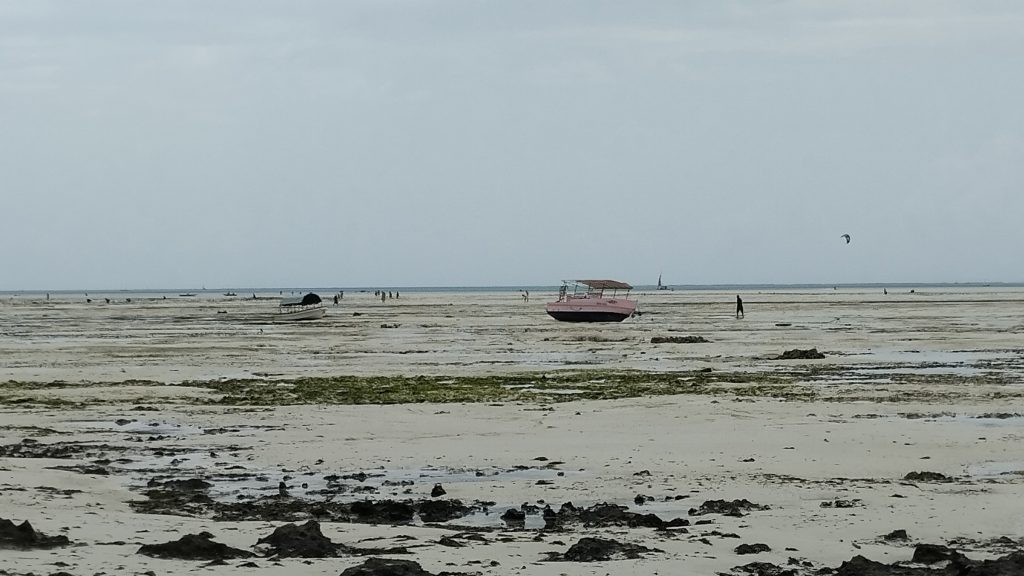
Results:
x,y
529,509
752,548
764,569
193,547
24,537
599,549
927,477
305,541
861,566
896,535
450,542
726,507
442,510
605,514
386,567
934,553
677,339
438,490
798,354
384,511
513,516
1009,565
192,484
956,565
551,520
837,503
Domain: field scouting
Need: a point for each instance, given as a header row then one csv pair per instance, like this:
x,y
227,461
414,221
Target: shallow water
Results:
x,y
488,332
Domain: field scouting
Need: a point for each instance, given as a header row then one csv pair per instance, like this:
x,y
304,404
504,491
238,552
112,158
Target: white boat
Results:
x,y
588,303
308,307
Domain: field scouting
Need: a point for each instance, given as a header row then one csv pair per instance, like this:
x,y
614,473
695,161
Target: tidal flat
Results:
x,y
470,433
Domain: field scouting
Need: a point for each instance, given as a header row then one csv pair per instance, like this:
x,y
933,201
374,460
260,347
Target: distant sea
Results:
x,y
269,291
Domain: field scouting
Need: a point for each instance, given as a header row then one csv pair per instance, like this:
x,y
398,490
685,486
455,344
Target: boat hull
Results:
x,y
585,316
298,315
591,309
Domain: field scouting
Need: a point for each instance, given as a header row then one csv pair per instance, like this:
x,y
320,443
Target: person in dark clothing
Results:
x,y
739,306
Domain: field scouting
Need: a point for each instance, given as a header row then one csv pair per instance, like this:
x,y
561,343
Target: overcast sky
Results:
x,y
472,142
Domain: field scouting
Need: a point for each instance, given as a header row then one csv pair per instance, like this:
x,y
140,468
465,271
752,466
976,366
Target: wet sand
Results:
x,y
930,381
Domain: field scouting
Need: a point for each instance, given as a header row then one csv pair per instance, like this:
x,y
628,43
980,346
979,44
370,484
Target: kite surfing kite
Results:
x,y
846,236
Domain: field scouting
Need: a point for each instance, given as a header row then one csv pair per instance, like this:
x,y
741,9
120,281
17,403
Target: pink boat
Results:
x,y
588,303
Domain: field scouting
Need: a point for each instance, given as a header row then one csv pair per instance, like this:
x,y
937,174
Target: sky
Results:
x,y
239,143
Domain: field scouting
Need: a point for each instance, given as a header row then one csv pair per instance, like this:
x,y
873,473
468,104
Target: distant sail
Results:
x,y
847,237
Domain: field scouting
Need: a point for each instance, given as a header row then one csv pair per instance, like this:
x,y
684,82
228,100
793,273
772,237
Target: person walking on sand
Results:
x,y
739,306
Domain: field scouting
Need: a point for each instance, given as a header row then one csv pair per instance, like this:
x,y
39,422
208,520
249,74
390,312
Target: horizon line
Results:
x,y
970,283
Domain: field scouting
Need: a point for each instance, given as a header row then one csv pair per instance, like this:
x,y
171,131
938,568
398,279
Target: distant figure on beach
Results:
x,y
383,295
341,295
396,294
335,299
389,294
884,291
739,306
527,295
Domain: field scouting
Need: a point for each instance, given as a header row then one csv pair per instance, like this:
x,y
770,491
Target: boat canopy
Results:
x,y
605,284
307,300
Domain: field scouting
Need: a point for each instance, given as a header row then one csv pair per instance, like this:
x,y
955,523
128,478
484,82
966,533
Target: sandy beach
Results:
x,y
107,407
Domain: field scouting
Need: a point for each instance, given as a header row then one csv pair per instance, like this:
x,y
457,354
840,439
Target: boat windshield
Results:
x,y
591,289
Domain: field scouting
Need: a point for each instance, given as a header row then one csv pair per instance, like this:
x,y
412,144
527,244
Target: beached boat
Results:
x,y
586,302
308,307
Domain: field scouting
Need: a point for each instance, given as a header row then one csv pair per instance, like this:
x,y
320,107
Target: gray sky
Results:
x,y
472,142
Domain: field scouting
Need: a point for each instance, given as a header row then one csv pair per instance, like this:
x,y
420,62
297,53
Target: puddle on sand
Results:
x,y
997,469
987,421
154,427
234,480
936,357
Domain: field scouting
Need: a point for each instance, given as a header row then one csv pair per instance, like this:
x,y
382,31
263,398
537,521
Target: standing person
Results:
x,y
739,306
383,295
527,295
